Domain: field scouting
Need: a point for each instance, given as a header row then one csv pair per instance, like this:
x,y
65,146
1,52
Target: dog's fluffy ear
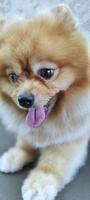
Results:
x,y
63,14
6,24
2,24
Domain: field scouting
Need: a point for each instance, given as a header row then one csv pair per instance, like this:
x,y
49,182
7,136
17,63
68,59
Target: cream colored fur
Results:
x,y
62,141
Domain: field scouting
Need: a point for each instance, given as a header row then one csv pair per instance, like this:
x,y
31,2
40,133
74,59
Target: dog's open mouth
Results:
x,y
36,115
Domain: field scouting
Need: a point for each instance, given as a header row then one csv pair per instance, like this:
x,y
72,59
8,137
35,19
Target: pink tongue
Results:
x,y
35,116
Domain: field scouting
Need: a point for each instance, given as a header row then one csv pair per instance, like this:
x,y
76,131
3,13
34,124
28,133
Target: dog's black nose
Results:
x,y
26,100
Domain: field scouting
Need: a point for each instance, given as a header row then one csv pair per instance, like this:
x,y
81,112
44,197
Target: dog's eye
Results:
x,y
46,73
13,77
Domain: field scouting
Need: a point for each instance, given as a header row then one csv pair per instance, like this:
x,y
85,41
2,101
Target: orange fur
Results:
x,y
54,41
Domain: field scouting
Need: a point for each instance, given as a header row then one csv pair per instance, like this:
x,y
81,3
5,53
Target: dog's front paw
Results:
x,y
40,186
13,160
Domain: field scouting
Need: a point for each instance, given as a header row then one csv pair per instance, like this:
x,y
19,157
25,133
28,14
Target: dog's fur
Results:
x,y
63,137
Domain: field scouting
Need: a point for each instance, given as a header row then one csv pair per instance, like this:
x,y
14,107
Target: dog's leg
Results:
x,y
17,157
55,169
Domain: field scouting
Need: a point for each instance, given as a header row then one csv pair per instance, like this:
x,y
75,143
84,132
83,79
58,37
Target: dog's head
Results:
x,y
39,59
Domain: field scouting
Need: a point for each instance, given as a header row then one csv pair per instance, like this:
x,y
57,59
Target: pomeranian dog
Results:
x,y
45,99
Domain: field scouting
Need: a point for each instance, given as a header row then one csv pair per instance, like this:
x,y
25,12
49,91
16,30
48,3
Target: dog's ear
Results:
x,y
5,24
63,14
2,24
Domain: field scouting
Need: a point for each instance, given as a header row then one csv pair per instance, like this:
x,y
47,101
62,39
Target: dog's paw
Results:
x,y
13,160
40,186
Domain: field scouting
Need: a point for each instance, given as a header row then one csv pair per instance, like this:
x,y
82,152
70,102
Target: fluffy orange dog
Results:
x,y
45,99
